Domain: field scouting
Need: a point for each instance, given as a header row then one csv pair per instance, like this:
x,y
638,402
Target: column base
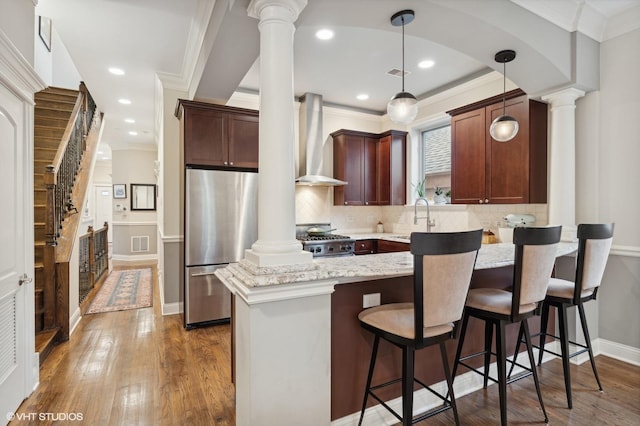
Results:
x,y
261,259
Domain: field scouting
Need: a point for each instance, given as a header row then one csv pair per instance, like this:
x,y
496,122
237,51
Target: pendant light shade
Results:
x,y
505,127
403,107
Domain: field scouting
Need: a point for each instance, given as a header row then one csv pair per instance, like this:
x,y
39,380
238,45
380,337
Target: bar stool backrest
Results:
x,y
443,264
593,251
535,255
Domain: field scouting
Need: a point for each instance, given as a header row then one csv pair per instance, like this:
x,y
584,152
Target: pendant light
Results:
x,y
505,127
402,108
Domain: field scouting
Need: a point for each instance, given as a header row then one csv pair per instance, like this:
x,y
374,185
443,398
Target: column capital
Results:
x,y
294,7
564,97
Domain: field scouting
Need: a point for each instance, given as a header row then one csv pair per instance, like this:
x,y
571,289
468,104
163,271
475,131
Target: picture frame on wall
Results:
x,y
119,190
44,31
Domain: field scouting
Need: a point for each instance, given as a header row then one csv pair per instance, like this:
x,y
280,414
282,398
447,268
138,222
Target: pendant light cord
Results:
x,y
504,88
402,53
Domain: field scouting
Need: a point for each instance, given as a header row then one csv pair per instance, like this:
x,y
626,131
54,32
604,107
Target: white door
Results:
x,y
16,235
103,206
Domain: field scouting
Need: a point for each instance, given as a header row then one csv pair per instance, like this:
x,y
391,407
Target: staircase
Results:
x,y
52,113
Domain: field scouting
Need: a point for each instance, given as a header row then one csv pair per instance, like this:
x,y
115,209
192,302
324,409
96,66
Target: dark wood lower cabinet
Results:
x,y
351,344
386,246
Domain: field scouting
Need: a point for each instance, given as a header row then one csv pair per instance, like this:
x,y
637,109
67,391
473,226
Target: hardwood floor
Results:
x,y
137,367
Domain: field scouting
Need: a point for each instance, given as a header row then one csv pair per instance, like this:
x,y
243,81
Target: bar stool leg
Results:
x,y
544,321
488,336
463,332
374,354
408,357
501,352
564,346
517,351
585,330
527,335
447,374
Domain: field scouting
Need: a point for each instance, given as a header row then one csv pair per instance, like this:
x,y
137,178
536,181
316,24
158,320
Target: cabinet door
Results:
x,y
468,157
243,140
371,173
348,163
383,178
205,136
385,246
507,173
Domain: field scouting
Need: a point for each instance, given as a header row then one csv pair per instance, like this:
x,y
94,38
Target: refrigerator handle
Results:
x,y
203,274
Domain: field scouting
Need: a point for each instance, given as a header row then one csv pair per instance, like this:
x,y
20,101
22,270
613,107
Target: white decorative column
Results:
x,y
562,160
277,244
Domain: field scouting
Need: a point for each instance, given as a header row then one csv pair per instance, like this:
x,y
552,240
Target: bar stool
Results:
x,y
593,251
442,265
535,254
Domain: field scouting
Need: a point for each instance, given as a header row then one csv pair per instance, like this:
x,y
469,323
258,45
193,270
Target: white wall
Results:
x,y
56,68
16,21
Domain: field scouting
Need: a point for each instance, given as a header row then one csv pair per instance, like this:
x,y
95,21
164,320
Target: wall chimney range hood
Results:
x,y
311,143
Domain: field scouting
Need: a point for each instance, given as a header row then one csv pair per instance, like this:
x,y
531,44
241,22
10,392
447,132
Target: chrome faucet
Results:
x,y
430,223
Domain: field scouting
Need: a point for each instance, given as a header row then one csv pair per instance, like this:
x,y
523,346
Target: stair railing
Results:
x,y
59,179
94,260
60,176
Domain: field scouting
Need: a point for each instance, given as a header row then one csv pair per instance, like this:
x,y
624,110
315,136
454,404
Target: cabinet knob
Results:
x,y
345,203
366,203
480,201
225,163
486,201
231,163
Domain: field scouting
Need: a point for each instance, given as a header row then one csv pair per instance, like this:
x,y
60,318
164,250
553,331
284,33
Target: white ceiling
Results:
x,y
211,48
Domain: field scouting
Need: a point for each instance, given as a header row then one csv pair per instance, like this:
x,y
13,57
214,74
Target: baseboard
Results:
x,y
171,308
137,258
167,308
621,352
424,400
74,320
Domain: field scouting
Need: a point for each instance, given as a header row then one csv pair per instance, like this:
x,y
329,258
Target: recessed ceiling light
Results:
x,y
362,97
324,34
129,120
132,133
427,63
116,71
124,101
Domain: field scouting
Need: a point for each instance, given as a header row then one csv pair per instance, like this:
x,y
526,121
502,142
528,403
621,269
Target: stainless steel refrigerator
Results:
x,y
220,223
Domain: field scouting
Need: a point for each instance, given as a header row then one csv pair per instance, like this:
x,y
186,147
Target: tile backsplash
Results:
x,y
315,204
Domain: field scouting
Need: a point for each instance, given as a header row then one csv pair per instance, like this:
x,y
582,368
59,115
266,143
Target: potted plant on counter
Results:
x,y
439,197
420,187
447,195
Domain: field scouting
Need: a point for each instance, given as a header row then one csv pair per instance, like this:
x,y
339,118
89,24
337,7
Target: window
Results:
x,y
436,158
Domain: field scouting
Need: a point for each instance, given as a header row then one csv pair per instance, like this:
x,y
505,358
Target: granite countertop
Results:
x,y
356,268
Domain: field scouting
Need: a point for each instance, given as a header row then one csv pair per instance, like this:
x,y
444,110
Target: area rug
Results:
x,y
123,290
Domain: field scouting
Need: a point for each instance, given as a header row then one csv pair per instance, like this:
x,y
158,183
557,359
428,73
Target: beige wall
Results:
x,y
171,197
133,166
609,147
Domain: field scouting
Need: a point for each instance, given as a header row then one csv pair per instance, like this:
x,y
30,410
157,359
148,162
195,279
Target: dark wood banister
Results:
x,y
66,186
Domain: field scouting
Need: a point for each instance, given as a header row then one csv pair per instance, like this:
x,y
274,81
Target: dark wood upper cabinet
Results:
x,y
374,165
217,135
486,171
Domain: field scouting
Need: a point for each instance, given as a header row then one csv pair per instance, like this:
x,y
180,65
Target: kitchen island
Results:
x,y
301,356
